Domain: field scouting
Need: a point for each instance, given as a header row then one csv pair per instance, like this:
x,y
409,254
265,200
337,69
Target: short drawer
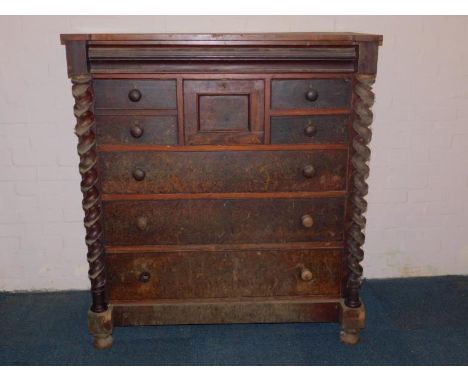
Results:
x,y
310,129
311,94
135,94
136,130
223,221
228,171
181,275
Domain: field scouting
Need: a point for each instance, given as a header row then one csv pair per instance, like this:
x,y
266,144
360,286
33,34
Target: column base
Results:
x,y
100,326
352,321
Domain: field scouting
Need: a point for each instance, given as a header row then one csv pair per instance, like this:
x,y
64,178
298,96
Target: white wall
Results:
x,y
418,202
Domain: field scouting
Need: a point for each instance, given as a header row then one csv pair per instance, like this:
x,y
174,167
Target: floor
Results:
x,y
416,321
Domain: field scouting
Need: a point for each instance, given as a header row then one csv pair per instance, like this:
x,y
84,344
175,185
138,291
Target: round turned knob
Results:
x,y
134,95
311,95
310,130
136,130
307,221
145,277
308,171
306,274
142,223
138,174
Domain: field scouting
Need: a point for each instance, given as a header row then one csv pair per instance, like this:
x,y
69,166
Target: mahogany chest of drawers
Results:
x,y
223,176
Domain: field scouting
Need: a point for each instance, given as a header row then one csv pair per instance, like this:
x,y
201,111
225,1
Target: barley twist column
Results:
x,y
360,171
83,109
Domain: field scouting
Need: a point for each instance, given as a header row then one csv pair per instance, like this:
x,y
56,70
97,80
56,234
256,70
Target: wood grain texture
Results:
x,y
155,94
223,311
219,221
224,175
223,111
85,131
291,94
309,129
217,172
136,130
360,157
182,275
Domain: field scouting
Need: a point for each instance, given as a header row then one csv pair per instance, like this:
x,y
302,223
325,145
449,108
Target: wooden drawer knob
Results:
x,y
310,130
138,174
134,95
311,95
145,277
142,223
136,131
307,221
306,274
308,171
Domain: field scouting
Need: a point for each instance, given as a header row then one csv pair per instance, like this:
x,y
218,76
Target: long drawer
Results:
x,y
229,171
223,221
180,275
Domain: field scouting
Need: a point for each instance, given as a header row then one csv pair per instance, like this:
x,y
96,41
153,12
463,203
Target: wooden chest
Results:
x,y
223,176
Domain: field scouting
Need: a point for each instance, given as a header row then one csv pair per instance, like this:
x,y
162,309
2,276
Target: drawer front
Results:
x,y
224,112
230,171
311,94
136,130
135,94
190,275
223,221
310,129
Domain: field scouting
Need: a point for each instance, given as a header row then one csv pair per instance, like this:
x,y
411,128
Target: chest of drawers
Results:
x,y
223,176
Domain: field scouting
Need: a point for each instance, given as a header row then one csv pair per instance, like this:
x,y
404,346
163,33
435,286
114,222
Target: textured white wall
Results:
x,y
418,204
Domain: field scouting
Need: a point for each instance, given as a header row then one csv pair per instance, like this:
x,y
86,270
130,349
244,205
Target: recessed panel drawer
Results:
x,y
223,221
136,130
191,275
218,171
224,112
135,94
311,94
309,129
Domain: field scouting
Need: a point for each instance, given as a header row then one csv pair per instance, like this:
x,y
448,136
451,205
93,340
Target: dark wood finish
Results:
x,y
224,247
299,38
313,94
218,221
153,94
192,275
224,176
233,171
207,148
223,111
309,129
136,130
223,311
358,205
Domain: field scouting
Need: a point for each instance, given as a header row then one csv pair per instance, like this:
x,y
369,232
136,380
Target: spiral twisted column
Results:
x,y
364,99
85,122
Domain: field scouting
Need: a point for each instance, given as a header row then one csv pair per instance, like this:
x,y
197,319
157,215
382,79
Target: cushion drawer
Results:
x,y
136,129
329,93
135,94
223,221
310,129
220,274
229,171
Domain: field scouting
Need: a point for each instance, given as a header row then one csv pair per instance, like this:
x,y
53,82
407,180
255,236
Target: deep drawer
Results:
x,y
309,129
136,130
135,94
311,94
229,171
182,275
223,221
